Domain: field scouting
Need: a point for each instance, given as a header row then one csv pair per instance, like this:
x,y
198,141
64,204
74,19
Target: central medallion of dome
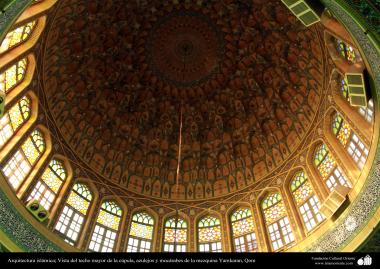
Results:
x,y
185,49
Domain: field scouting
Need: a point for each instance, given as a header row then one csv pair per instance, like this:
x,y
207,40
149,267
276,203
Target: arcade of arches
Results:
x,y
181,126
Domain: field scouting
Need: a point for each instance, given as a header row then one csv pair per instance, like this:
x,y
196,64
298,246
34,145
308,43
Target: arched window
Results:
x,y
209,235
106,228
366,112
175,235
22,162
346,51
71,220
307,202
13,119
17,36
50,183
243,230
277,222
328,168
141,233
355,147
13,76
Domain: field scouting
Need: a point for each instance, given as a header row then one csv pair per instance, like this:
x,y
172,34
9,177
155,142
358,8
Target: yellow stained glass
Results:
x,y
242,227
344,133
275,212
141,230
54,175
17,36
209,229
12,76
33,146
78,202
110,220
19,113
327,166
210,234
303,192
175,231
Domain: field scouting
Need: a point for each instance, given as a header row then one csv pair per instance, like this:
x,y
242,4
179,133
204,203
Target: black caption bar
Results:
x,y
309,260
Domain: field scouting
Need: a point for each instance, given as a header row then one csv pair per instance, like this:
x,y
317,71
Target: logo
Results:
x,y
367,260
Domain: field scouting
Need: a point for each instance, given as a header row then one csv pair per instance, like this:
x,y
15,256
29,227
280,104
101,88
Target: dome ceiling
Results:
x,y
242,80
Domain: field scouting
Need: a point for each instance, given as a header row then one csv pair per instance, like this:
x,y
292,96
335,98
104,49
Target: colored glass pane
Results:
x,y
175,231
346,51
141,230
341,129
275,212
209,229
297,181
243,226
303,192
54,175
17,36
19,112
143,218
142,226
109,215
271,200
12,76
324,161
33,146
80,198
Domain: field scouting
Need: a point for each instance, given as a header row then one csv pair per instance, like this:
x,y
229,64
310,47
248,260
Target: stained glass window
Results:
x,y
307,202
13,119
346,51
13,75
328,168
175,235
280,232
243,230
49,185
20,164
141,233
341,129
17,36
356,149
71,220
209,235
106,228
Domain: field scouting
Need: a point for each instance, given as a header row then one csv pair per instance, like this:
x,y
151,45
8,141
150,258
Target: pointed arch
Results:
x,y
106,230
141,232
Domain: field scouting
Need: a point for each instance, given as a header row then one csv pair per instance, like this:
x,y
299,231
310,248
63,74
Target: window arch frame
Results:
x,y
230,213
152,241
336,172
264,194
86,217
17,90
314,193
209,243
37,164
185,219
107,230
59,195
353,144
